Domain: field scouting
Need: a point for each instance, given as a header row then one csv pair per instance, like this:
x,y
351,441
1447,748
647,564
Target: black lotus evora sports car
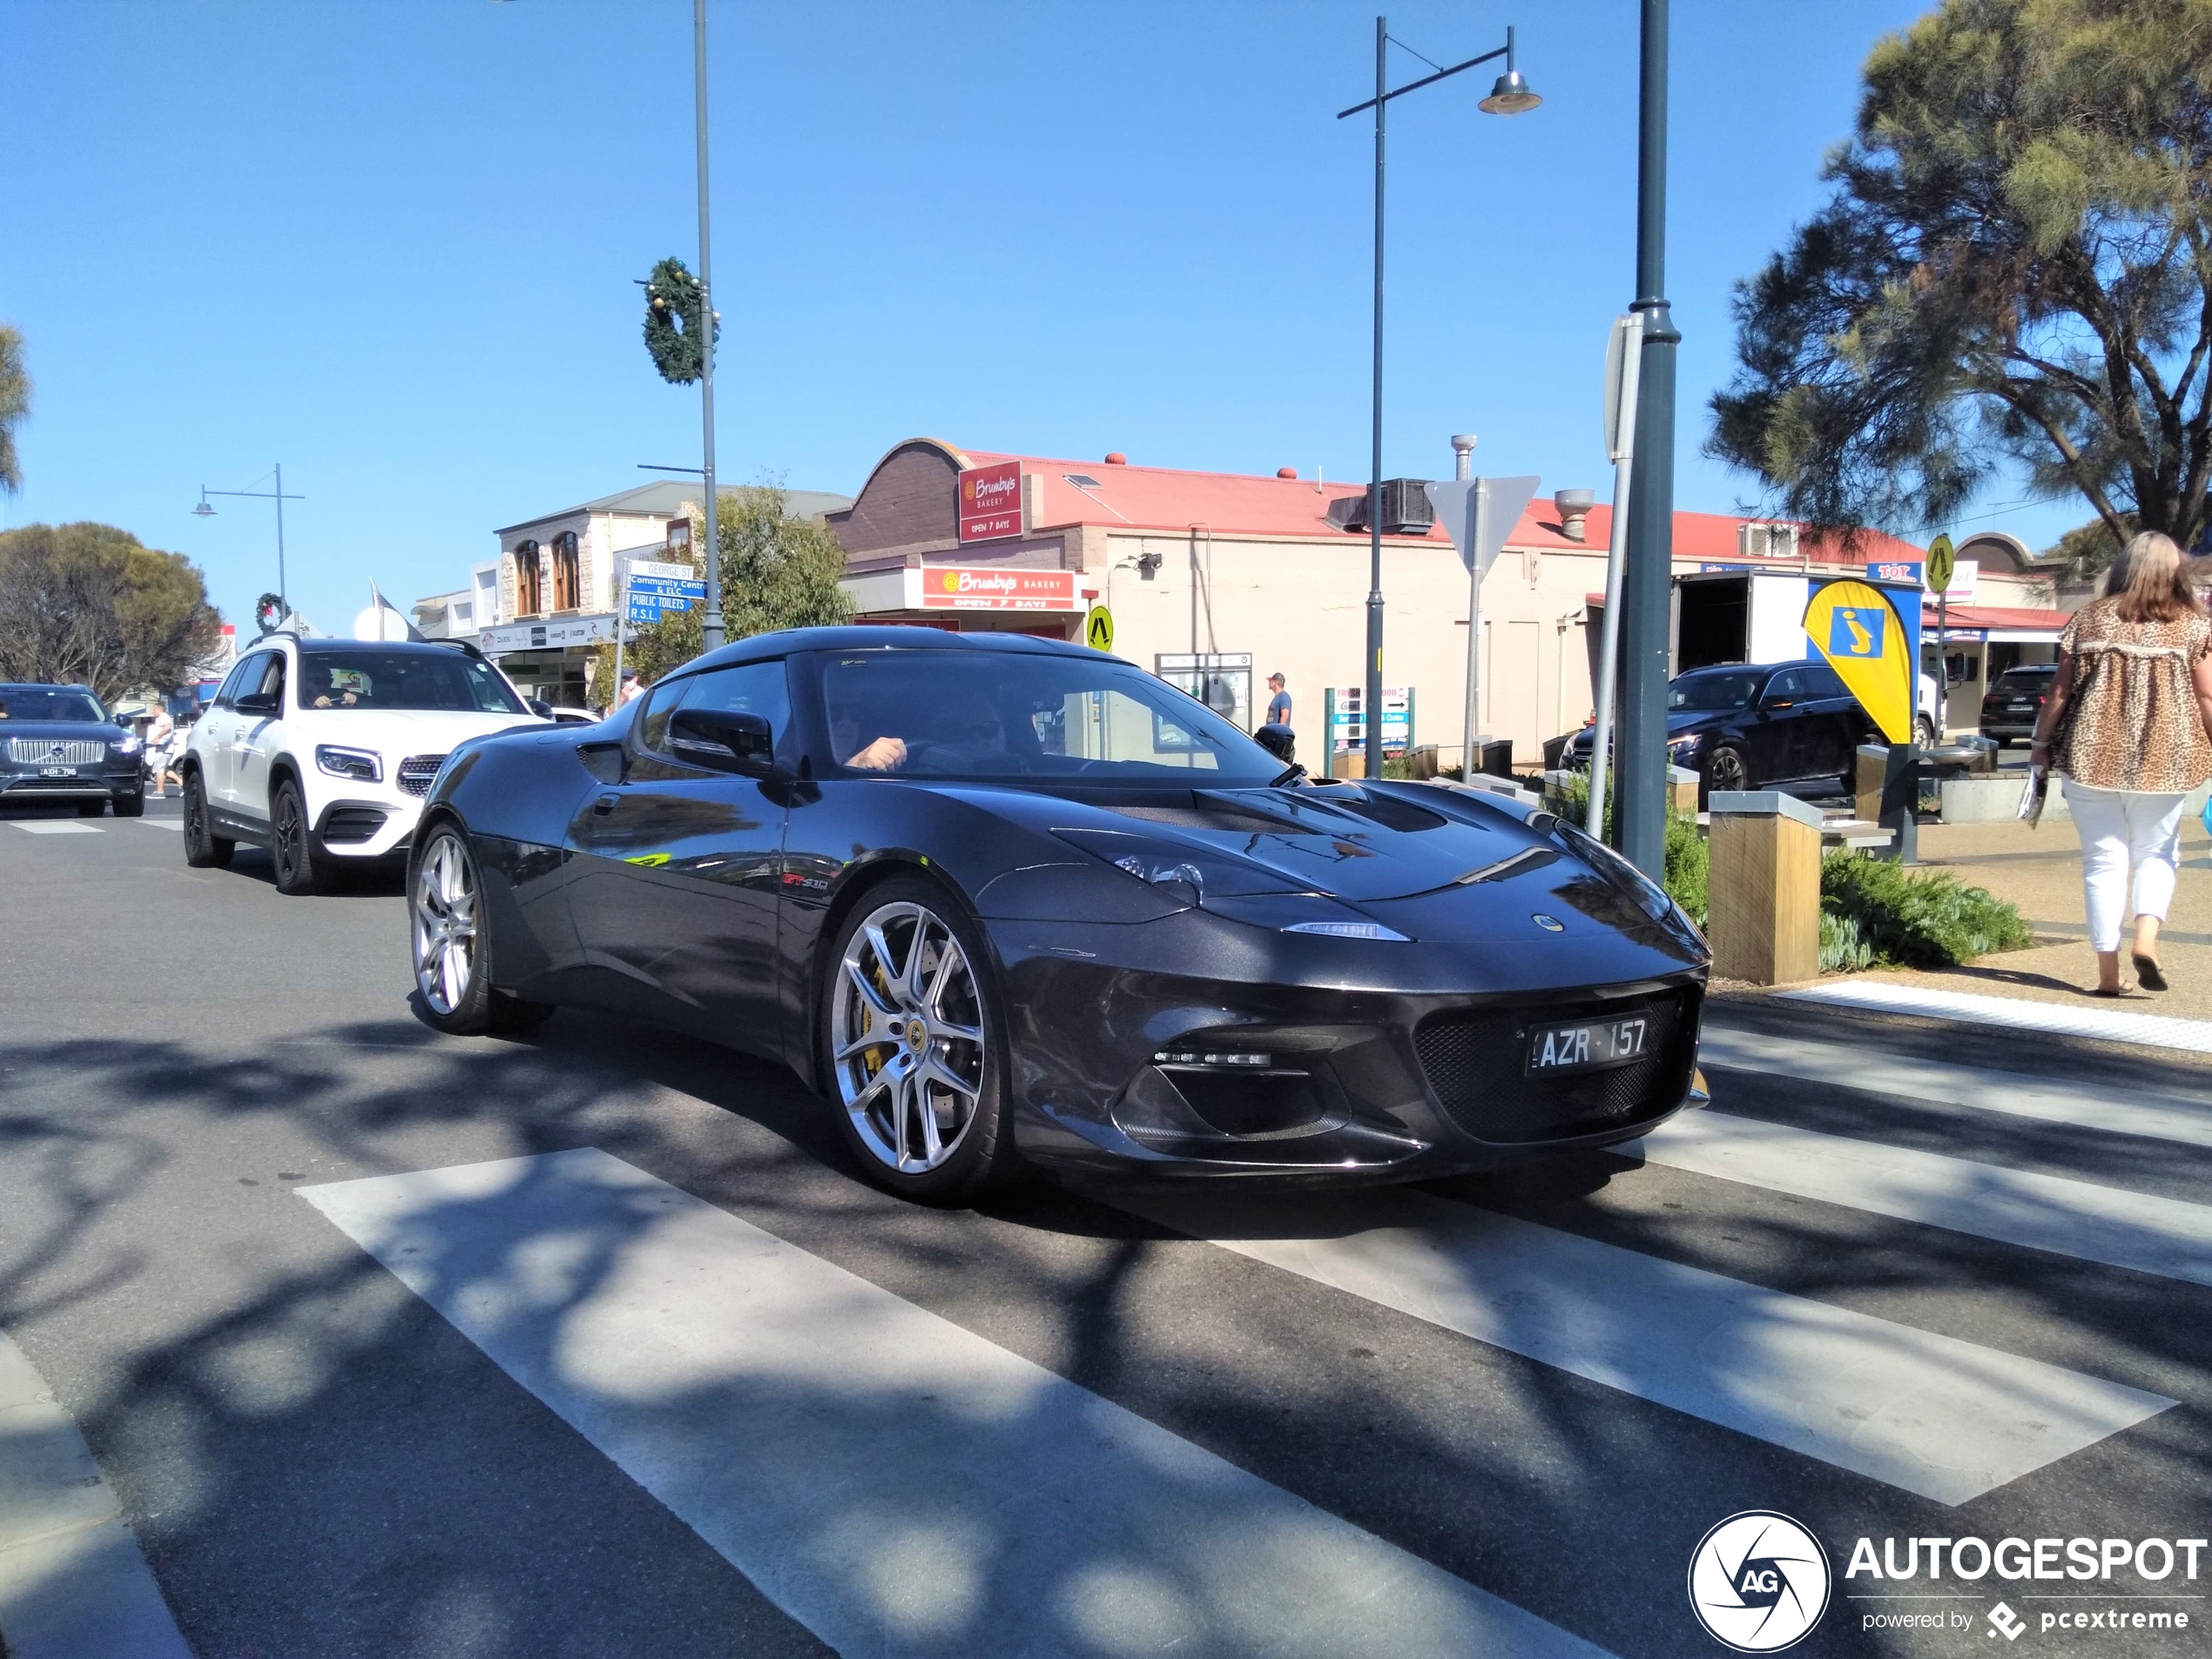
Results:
x,y
1005,899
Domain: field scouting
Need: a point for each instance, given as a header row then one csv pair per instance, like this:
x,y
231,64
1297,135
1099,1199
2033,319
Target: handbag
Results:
x,y
2033,797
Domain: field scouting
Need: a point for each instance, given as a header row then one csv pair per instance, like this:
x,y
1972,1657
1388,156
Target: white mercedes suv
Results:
x,y
321,749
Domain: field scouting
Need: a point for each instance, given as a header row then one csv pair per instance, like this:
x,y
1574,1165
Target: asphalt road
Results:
x,y
673,1380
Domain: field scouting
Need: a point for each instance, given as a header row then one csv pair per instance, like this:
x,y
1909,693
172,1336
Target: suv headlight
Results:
x,y
126,745
361,765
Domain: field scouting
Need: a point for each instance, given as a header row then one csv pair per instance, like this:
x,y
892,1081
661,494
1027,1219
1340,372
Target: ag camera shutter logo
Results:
x,y
1758,1582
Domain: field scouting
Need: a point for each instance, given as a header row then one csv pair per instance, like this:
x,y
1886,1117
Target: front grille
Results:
x,y
34,752
1473,1063
418,773
350,824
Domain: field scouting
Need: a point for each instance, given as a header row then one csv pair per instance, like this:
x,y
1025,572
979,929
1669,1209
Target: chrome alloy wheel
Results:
x,y
906,1037
445,925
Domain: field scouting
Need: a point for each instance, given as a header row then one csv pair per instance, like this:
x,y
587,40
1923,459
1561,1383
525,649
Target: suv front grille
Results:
x,y
1473,1062
418,773
30,752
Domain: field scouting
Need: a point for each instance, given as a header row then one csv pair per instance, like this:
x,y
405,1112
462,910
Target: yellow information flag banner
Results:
x,y
1856,628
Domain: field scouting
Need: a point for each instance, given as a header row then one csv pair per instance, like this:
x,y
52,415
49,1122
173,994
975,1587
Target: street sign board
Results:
x,y
659,568
1941,557
1906,570
1453,501
1348,727
669,586
1623,358
1855,627
652,607
990,502
1098,629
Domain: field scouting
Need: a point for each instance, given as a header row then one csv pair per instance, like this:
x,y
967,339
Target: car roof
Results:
x,y
784,642
43,685
1740,668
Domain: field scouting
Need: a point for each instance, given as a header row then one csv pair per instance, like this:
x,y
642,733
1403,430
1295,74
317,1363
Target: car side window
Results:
x,y
1823,681
1786,687
747,688
660,703
234,682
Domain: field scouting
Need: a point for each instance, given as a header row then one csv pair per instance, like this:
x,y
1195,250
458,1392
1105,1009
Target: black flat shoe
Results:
x,y
2146,973
2101,991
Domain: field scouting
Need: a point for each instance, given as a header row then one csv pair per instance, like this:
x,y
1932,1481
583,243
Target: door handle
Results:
x,y
605,803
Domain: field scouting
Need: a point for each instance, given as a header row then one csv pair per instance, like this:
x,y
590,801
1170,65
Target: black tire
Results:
x,y
203,849
1725,769
1924,731
91,808
453,962
2002,744
892,1135
297,871
130,806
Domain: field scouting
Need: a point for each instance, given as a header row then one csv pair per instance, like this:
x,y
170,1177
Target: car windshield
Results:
x,y
2024,682
49,703
1713,690
962,713
403,679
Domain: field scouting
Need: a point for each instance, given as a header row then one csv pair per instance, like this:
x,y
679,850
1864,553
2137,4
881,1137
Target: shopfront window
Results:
x,y
568,584
529,587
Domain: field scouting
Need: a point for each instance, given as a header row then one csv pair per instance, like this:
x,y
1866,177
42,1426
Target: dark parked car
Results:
x,y
1750,726
2011,708
59,742
1004,900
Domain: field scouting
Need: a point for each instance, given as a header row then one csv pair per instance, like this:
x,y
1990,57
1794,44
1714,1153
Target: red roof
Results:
x,y
1231,503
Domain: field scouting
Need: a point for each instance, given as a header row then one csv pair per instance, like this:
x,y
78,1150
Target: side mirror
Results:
x,y
540,707
258,702
725,741
1778,702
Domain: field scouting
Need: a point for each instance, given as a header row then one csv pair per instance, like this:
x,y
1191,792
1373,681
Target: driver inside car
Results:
x,y
970,729
326,692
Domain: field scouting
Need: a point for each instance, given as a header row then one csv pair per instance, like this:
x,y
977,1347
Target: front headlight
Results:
x,y
128,744
361,765
1650,896
1677,747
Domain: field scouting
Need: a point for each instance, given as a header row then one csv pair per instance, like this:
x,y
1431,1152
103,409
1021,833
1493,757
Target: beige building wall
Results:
x,y
1300,607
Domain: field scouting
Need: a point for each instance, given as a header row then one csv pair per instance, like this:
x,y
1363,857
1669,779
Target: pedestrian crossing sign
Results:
x,y
1098,629
1854,626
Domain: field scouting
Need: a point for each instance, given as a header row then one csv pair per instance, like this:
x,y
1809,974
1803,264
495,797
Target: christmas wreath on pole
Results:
x,y
672,299
268,611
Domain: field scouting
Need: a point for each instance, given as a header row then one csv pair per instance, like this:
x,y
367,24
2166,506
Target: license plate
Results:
x,y
1588,1044
57,771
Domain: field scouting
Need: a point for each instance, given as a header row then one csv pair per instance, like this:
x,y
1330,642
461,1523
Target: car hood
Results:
x,y
1354,842
408,731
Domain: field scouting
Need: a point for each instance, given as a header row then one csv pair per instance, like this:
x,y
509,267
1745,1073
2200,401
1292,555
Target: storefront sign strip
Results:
x,y
963,587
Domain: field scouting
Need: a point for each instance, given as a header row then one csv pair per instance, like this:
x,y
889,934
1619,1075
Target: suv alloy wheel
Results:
x,y
203,850
296,872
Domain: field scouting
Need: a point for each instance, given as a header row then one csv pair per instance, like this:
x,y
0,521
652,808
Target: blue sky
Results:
x,y
395,246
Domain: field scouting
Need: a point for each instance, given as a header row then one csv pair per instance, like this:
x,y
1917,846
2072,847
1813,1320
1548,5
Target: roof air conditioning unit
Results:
x,y
1406,510
1766,541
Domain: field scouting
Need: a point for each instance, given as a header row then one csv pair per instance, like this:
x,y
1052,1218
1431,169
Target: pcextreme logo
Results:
x,y
1758,1582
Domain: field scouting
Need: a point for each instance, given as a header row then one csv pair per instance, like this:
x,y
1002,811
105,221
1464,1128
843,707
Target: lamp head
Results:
x,y
1510,96
203,510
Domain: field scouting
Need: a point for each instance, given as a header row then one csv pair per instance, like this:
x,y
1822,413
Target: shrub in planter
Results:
x,y
1905,919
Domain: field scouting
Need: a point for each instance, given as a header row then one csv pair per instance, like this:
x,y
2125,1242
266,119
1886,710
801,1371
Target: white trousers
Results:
x,y
2119,828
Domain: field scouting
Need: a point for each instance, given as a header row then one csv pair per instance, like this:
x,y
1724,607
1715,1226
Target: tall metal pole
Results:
x,y
283,598
710,621
1478,538
1370,709
1650,578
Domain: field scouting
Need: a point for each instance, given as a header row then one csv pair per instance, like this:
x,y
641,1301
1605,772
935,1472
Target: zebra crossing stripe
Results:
x,y
2094,1224
1886,996
56,826
1934,1083
893,1482
1944,1418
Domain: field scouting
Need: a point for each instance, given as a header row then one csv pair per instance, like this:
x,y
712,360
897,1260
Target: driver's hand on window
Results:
x,y
884,754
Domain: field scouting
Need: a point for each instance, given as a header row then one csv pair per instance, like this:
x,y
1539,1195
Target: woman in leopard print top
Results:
x,y
2131,706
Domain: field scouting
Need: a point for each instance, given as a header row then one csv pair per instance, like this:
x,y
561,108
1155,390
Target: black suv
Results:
x,y
1747,725
57,743
2014,704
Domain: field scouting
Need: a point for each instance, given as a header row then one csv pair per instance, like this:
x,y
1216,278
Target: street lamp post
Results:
x,y
205,510
1510,96
1641,802
710,620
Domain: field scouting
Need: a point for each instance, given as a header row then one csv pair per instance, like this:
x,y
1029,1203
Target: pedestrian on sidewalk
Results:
x,y
159,730
2128,726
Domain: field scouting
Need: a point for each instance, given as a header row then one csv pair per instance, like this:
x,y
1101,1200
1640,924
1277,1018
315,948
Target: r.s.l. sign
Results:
x,y
1854,626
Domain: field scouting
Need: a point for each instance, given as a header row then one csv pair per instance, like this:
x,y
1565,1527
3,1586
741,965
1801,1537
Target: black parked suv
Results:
x,y
2013,704
1748,725
57,743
